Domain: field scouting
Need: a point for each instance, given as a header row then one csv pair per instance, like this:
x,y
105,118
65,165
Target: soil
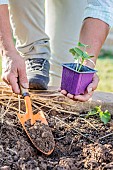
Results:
x,y
80,144
41,136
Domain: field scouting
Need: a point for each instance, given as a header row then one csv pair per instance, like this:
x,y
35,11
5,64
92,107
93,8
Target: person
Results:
x,y
32,29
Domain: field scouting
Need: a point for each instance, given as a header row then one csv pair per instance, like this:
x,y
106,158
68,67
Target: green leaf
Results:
x,y
75,54
92,113
85,55
72,51
91,56
105,116
78,51
82,45
98,109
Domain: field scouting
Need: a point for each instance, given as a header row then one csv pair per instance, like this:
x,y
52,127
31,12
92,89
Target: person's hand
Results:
x,y
88,93
14,71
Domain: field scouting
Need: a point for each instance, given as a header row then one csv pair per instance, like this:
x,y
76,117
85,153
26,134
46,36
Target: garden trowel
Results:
x,y
36,126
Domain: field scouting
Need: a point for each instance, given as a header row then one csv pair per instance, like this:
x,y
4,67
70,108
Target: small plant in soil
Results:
x,y
104,116
76,76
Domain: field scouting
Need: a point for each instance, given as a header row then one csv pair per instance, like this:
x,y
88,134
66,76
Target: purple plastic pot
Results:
x,y
75,82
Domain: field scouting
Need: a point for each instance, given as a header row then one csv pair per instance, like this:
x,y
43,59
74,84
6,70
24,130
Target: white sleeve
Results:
x,y
101,9
3,2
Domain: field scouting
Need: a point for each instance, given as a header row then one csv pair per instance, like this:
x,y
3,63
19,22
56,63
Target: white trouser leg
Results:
x,y
63,22
28,23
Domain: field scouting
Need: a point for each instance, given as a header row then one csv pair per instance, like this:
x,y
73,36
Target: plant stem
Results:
x,y
77,68
81,65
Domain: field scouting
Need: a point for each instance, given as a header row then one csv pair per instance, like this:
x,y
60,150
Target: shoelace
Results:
x,y
35,64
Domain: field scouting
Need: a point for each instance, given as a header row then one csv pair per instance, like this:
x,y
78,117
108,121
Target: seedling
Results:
x,y
80,55
76,76
105,117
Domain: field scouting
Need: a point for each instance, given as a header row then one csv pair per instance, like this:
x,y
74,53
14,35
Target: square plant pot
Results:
x,y
75,82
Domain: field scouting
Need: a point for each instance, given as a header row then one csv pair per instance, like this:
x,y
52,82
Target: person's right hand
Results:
x,y
87,94
14,71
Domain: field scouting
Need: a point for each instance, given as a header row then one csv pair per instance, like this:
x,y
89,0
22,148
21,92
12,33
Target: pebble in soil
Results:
x,y
41,135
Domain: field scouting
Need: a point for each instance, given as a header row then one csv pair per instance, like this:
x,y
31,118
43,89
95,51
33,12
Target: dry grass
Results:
x,y
51,100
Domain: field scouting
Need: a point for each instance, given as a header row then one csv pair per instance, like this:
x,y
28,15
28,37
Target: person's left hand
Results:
x,y
88,93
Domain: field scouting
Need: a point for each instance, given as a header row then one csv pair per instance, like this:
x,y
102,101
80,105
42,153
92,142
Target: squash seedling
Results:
x,y
76,76
79,55
104,116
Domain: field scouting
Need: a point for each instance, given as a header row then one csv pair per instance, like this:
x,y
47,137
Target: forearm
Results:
x,y
6,41
93,33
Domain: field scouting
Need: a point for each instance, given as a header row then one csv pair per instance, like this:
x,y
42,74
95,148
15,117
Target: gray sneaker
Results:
x,y
38,73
